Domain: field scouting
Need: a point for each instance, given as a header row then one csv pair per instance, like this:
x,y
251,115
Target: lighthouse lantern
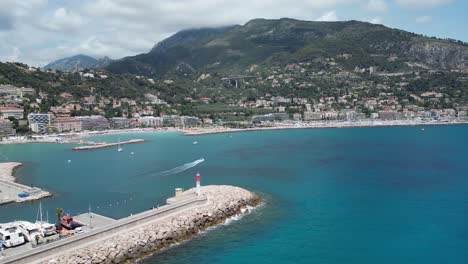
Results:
x,y
197,182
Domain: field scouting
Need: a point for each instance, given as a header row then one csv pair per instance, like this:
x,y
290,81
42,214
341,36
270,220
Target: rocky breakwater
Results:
x,y
222,202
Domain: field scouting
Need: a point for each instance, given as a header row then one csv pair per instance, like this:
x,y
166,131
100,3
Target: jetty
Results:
x,y
151,231
13,192
107,145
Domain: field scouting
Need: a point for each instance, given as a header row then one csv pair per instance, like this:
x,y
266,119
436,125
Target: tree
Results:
x,y
15,122
59,212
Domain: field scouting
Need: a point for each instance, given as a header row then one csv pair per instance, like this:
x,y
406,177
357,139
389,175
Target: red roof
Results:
x,y
6,108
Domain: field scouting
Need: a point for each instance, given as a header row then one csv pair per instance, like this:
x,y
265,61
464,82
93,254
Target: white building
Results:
x,y
151,121
16,112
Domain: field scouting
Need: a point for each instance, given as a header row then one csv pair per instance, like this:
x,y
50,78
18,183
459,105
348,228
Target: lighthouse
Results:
x,y
197,182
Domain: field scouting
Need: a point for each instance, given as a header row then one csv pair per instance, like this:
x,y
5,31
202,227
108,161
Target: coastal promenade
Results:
x,y
145,233
11,191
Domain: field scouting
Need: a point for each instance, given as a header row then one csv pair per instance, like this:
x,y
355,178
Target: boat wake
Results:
x,y
180,168
175,170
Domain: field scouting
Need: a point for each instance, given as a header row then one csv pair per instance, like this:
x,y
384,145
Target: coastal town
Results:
x,y
24,112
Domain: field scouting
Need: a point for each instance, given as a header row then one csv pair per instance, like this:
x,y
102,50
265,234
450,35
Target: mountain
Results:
x,y
77,63
232,50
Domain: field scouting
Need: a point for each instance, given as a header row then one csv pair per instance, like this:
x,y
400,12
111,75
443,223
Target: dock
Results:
x,y
107,145
92,220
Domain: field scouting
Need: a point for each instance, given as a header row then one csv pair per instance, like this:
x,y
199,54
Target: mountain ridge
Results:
x,y
77,63
280,41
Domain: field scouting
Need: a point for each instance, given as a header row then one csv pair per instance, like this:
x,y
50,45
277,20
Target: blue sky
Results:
x,y
39,31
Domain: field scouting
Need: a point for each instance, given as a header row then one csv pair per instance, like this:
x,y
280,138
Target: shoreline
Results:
x,y
316,125
10,189
77,137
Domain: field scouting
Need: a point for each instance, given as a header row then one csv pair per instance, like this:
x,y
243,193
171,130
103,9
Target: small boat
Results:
x,y
195,142
422,129
68,222
132,152
119,149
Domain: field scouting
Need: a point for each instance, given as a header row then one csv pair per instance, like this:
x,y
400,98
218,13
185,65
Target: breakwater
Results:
x,y
11,191
148,232
107,145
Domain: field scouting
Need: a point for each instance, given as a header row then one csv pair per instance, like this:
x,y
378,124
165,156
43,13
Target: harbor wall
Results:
x,y
145,233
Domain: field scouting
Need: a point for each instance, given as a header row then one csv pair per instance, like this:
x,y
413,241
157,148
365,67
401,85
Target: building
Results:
x,y
389,115
94,122
150,121
172,121
270,117
297,117
188,121
40,123
120,122
312,116
6,129
15,112
67,124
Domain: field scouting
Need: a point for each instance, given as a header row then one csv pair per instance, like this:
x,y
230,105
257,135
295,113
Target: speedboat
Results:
x,y
68,222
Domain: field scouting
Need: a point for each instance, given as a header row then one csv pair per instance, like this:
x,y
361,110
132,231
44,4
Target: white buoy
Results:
x,y
69,161
132,153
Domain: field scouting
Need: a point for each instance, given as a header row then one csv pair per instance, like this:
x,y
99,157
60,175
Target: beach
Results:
x,y
319,124
10,190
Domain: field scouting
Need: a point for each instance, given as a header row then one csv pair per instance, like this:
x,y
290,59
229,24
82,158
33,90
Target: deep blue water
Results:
x,y
361,195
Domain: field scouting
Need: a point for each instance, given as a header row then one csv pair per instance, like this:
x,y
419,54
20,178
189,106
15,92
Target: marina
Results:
x,y
27,242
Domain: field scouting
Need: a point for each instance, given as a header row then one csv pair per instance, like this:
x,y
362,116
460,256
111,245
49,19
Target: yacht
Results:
x,y
30,231
11,235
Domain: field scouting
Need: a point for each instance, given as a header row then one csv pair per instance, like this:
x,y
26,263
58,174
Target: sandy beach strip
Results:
x,y
316,125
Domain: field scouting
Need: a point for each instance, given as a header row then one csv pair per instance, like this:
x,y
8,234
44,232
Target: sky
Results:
x,y
37,32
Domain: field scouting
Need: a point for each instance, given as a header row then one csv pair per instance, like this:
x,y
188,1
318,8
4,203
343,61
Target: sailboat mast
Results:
x,y
40,209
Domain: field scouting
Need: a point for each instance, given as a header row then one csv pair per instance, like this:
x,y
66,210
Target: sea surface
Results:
x,y
355,195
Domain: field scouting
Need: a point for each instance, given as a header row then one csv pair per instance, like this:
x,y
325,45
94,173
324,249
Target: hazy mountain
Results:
x,y
77,63
277,42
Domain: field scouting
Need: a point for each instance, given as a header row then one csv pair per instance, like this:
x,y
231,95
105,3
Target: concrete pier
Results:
x,y
107,145
10,190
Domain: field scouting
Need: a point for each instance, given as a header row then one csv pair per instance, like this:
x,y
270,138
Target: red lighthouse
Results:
x,y
197,182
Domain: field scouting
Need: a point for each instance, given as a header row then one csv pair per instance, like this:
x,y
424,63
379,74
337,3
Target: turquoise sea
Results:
x,y
357,195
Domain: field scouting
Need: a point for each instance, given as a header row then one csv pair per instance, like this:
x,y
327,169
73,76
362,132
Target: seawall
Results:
x,y
146,233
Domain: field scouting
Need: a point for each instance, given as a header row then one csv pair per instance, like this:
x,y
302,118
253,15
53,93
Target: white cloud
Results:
x,y
13,54
377,6
43,30
422,4
376,20
64,20
329,16
423,19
